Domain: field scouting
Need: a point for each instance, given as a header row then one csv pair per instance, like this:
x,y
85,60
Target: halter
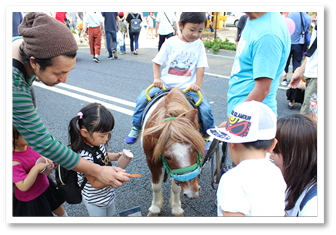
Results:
x,y
183,174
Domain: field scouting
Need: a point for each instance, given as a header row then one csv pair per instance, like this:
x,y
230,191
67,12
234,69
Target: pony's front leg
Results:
x,y
157,201
175,200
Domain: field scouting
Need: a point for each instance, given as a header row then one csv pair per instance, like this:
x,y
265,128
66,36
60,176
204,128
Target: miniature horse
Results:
x,y
171,134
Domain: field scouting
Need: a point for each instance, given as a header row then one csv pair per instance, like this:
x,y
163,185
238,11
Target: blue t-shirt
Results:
x,y
263,51
110,22
296,17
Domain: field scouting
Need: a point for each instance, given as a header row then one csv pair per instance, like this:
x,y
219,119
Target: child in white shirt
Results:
x,y
255,187
186,61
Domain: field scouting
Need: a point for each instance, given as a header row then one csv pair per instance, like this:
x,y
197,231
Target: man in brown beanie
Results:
x,y
47,50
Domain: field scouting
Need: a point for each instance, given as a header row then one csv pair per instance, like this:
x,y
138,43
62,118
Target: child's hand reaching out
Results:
x,y
114,156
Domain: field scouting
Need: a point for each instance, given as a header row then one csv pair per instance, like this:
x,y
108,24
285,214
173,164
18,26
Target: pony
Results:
x,y
171,139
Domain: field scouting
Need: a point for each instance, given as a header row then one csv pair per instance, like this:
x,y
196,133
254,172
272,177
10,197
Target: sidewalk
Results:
x,y
228,32
148,48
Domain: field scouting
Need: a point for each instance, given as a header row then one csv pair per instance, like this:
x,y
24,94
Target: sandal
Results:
x,y
290,107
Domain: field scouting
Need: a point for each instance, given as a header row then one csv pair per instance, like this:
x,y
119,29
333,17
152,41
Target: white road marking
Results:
x,y
93,93
84,98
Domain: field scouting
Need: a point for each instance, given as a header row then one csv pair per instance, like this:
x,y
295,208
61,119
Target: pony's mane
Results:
x,y
180,129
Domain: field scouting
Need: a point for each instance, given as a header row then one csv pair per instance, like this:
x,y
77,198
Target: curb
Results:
x,y
222,52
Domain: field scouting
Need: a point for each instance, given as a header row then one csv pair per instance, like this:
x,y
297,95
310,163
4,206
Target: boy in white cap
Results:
x,y
255,187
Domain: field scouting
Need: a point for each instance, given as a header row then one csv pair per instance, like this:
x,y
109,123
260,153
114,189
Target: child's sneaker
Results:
x,y
207,145
133,136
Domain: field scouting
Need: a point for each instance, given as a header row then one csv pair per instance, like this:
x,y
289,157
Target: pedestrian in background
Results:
x,y
17,19
165,27
94,22
296,50
240,27
133,35
150,24
112,26
123,30
309,70
73,20
61,16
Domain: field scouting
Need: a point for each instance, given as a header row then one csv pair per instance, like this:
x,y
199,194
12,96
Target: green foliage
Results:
x,y
218,43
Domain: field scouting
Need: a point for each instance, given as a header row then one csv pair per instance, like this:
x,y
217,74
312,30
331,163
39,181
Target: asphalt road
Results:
x,y
124,79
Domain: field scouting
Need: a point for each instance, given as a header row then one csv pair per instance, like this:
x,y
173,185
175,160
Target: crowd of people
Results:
x,y
251,129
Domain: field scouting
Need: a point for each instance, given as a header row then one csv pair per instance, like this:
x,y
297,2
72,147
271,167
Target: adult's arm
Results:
x,y
28,123
261,89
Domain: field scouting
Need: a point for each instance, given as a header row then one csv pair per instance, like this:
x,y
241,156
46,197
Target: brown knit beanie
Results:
x,y
45,37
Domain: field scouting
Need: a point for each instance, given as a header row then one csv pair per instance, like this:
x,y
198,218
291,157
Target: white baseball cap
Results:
x,y
248,122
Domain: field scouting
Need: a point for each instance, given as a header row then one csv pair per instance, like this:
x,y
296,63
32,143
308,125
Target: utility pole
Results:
x,y
215,35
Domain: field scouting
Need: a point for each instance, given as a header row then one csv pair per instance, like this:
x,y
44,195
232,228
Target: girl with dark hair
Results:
x,y
296,156
89,133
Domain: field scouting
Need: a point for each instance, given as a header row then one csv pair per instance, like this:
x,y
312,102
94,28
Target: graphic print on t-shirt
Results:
x,y
181,66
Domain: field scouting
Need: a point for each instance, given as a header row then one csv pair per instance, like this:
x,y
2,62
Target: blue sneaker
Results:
x,y
207,145
133,136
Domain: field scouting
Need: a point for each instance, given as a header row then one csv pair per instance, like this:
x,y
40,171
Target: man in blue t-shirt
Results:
x,y
260,59
112,26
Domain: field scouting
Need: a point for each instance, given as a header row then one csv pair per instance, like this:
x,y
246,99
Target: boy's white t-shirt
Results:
x,y
182,59
254,187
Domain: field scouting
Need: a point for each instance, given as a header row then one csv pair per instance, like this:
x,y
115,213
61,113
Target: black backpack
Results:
x,y
135,24
66,180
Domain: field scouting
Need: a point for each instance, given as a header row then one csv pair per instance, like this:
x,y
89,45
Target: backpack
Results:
x,y
67,181
135,24
122,26
312,192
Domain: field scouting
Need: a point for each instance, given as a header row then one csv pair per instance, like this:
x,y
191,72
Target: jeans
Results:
x,y
204,109
94,210
108,35
134,38
123,48
296,52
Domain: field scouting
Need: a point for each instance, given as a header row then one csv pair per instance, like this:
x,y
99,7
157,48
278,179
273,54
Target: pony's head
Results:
x,y
177,138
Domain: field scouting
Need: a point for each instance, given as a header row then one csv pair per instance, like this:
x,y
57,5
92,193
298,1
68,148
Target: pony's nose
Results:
x,y
192,194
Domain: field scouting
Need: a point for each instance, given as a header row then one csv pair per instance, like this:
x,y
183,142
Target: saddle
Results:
x,y
159,95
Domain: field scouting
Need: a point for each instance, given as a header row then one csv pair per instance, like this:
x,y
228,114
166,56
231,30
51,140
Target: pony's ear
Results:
x,y
191,115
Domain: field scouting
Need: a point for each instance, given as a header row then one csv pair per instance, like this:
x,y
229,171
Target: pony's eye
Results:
x,y
167,158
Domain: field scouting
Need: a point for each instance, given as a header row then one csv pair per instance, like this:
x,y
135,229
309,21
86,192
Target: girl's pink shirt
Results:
x,y
28,159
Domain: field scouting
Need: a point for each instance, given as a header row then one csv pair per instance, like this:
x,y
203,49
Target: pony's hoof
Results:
x,y
150,214
177,211
181,215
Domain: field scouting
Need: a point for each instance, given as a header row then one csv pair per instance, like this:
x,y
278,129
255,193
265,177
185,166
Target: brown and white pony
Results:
x,y
171,131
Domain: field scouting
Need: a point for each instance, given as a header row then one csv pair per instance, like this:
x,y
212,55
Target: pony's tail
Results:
x,y
75,138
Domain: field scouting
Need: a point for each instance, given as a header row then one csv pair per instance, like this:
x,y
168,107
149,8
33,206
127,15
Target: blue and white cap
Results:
x,y
248,122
